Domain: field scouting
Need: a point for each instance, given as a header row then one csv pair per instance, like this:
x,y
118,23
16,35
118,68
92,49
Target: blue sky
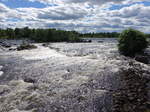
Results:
x,y
22,3
37,4
79,15
119,6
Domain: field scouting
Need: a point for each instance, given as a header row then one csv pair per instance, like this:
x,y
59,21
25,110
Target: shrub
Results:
x,y
131,42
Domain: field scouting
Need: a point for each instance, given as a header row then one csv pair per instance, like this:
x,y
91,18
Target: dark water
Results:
x,y
101,39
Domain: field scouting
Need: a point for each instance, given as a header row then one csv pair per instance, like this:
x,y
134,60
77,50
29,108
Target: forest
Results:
x,y
100,35
53,35
40,35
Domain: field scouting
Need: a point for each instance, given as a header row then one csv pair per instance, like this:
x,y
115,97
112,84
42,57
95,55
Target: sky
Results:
x,y
79,15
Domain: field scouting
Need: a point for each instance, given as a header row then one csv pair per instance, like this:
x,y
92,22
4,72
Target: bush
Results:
x,y
131,42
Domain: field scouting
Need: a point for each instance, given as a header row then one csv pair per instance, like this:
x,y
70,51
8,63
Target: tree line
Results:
x,y
100,35
40,35
53,35
104,35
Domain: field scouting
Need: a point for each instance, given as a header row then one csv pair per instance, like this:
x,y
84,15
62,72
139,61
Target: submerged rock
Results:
x,y
29,80
5,44
12,49
45,44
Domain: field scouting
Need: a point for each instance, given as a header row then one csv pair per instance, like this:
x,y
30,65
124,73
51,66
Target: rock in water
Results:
x,y
143,59
29,80
26,47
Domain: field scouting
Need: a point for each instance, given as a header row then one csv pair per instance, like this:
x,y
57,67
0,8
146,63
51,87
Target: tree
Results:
x,y
2,33
10,33
131,42
40,35
26,32
18,33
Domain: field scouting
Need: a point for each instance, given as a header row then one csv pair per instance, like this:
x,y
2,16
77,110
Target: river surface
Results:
x,y
110,40
62,77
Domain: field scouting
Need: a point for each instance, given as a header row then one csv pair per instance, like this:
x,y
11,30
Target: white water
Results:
x,y
40,53
65,72
1,72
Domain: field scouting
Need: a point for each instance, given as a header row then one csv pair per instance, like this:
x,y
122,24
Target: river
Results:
x,y
63,77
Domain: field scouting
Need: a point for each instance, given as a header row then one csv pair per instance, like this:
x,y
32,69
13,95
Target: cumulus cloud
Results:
x,y
79,17
3,8
95,2
137,10
63,13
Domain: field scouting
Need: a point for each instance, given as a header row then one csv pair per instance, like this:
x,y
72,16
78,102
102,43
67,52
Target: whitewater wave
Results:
x,y
1,72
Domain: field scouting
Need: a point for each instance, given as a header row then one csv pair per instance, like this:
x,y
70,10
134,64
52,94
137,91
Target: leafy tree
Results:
x,y
10,33
131,42
18,33
26,32
2,33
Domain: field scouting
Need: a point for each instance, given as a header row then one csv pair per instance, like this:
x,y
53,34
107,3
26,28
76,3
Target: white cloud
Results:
x,y
3,8
63,12
84,18
95,2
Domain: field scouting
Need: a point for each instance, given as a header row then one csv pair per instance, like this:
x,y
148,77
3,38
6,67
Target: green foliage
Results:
x,y
10,33
148,35
2,33
131,42
40,35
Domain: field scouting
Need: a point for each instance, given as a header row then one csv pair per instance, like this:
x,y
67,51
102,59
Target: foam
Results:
x,y
1,72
